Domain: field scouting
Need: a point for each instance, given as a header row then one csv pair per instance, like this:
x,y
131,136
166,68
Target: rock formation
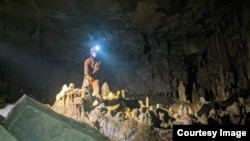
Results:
x,y
122,118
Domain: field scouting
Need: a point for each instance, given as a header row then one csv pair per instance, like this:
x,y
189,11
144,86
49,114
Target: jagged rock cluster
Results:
x,y
122,118
118,117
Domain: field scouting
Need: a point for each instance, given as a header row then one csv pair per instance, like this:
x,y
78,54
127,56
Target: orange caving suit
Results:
x,y
91,69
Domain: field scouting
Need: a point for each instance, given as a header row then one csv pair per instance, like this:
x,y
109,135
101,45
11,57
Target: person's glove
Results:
x,y
96,67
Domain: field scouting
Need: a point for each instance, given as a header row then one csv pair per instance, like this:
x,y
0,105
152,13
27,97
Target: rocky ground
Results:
x,y
122,118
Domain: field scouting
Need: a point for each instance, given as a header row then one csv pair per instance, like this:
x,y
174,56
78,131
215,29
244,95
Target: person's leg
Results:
x,y
96,89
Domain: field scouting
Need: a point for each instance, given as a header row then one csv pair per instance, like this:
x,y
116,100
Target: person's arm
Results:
x,y
96,67
86,68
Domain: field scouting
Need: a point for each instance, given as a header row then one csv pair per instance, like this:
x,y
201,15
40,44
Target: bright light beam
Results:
x,y
97,47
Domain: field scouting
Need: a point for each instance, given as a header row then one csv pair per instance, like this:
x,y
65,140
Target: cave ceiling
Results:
x,y
147,45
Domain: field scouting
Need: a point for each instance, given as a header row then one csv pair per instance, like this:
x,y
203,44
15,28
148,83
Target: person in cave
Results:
x,y
91,74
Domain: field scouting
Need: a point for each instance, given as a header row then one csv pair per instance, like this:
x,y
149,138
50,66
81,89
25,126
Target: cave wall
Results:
x,y
147,46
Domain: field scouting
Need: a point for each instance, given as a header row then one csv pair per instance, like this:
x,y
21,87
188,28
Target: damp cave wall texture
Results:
x,y
147,46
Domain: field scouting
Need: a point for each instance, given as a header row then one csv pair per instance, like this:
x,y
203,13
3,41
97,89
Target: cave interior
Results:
x,y
147,47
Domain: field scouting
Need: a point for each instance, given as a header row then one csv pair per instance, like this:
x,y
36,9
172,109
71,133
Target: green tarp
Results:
x,y
30,120
5,135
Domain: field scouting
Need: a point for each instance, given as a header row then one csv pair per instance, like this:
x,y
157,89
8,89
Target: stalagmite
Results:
x,y
147,101
182,92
